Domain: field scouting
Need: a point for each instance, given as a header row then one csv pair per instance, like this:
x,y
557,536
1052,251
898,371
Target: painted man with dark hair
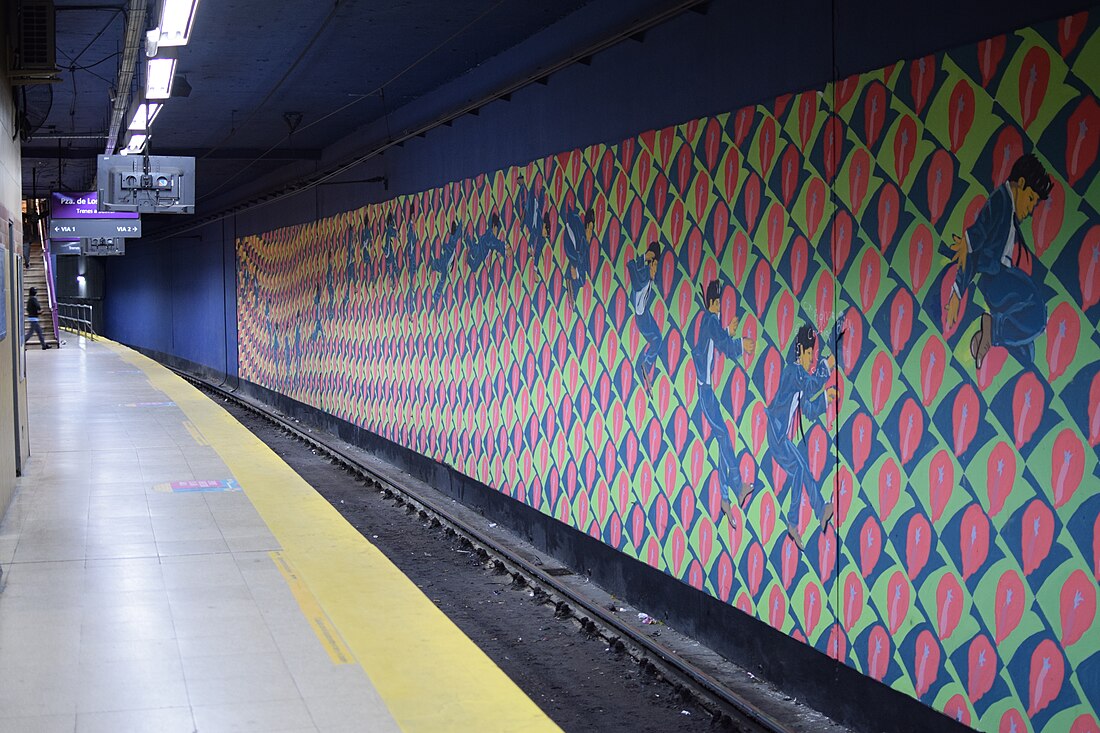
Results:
x,y
478,248
575,242
643,281
709,337
389,248
990,252
801,394
531,207
442,264
389,251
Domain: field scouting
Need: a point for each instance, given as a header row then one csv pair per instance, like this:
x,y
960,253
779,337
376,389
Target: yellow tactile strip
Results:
x,y
430,674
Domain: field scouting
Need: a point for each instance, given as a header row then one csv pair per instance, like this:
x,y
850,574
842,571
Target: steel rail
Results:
x,y
710,692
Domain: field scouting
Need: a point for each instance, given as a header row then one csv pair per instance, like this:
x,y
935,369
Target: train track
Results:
x,y
722,702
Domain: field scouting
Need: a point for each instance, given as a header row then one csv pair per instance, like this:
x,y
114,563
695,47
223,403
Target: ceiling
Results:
x,y
254,67
274,83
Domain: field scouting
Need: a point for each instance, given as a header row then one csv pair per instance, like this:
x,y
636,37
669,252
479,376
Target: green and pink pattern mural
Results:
x,y
833,359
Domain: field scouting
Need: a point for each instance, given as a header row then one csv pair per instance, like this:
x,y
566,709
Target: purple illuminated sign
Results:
x,y
82,205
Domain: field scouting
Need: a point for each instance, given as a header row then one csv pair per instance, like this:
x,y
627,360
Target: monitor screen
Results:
x,y
157,184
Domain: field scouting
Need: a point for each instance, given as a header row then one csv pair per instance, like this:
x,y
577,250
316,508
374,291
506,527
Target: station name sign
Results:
x,y
91,228
82,205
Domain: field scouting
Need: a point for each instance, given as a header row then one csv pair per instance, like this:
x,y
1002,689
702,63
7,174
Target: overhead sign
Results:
x,y
82,205
92,228
64,246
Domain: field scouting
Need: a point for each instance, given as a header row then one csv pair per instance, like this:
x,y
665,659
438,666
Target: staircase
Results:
x,y
34,276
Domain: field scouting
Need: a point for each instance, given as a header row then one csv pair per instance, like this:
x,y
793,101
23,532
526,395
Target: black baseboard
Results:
x,y
202,371
806,674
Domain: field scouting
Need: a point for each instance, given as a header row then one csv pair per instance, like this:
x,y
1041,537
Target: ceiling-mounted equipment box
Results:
x,y
33,43
102,246
148,184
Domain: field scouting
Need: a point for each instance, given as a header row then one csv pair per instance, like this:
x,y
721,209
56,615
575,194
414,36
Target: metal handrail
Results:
x,y
76,317
51,288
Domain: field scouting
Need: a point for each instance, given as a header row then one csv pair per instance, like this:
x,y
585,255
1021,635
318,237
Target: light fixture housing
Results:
x,y
177,17
159,72
135,143
142,114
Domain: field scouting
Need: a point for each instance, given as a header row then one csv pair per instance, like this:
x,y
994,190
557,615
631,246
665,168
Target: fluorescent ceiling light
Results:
x,y
158,78
176,19
135,143
143,115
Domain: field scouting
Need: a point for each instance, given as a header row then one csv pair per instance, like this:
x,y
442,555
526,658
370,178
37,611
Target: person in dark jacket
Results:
x,y
33,326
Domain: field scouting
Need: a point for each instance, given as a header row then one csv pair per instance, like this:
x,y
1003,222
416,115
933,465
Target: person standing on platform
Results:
x,y
33,310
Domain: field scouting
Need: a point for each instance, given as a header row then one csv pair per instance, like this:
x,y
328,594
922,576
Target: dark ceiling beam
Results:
x,y
52,154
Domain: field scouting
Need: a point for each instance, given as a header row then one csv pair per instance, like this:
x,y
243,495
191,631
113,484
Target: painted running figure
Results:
x,y
442,264
575,243
710,337
990,252
802,393
643,282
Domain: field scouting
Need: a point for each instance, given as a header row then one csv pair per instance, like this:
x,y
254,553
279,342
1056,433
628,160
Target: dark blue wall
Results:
x,y
177,296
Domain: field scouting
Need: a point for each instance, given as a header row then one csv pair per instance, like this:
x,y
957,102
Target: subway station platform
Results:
x,y
163,570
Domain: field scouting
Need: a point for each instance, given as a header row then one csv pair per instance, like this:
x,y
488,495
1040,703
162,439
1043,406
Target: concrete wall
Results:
x,y
12,388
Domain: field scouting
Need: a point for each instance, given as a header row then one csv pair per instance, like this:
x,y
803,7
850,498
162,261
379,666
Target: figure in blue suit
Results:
x,y
389,251
801,394
442,264
411,239
575,243
643,283
990,252
366,239
709,337
531,207
478,248
351,269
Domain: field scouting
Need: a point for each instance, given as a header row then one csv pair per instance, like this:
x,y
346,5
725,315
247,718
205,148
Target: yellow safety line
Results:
x,y
329,636
431,676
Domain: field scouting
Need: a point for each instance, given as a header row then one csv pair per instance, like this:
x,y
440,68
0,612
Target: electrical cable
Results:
x,y
378,90
95,64
408,68
305,183
96,37
283,78
28,132
835,153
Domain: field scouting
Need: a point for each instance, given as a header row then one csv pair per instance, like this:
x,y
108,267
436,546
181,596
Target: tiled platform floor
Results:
x,y
129,607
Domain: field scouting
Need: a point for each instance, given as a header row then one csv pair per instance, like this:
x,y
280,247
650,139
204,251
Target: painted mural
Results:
x,y
833,359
